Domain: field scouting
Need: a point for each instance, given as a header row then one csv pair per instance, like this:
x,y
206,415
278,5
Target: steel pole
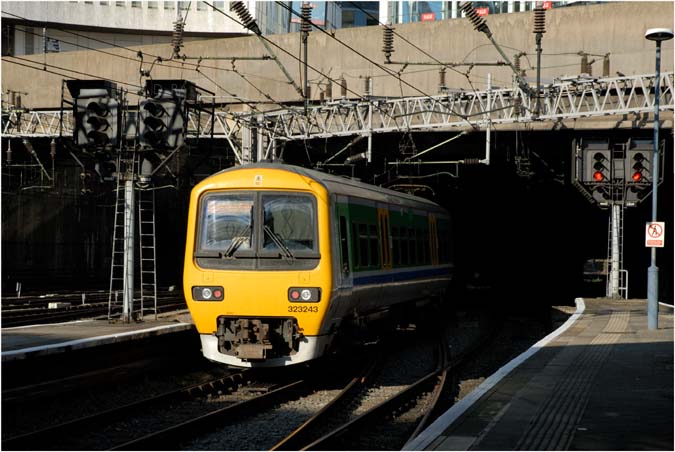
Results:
x,y
653,272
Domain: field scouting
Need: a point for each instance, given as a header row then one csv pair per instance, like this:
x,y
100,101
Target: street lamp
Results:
x,y
658,35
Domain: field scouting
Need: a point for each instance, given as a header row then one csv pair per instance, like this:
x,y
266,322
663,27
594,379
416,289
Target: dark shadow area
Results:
x,y
520,226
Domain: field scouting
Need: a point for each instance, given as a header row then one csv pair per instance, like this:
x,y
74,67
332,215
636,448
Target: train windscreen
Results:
x,y
254,229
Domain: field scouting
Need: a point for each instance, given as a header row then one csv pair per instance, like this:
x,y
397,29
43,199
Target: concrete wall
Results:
x,y
139,16
615,28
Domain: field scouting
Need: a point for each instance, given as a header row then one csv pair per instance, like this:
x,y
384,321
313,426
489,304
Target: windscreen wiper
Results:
x,y
278,242
208,254
239,238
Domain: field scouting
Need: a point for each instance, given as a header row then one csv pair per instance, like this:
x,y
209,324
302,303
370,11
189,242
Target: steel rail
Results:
x,y
40,439
302,436
167,438
328,441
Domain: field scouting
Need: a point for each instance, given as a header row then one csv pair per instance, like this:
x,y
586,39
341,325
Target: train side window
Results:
x,y
363,245
344,246
412,248
425,246
395,248
403,241
355,245
374,248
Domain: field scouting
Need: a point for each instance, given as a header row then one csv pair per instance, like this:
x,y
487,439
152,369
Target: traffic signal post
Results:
x,y
615,176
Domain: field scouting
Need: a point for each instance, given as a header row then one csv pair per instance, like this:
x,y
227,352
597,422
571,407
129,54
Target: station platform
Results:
x,y
602,381
24,342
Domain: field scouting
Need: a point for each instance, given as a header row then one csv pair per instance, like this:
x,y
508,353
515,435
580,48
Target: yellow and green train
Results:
x,y
278,258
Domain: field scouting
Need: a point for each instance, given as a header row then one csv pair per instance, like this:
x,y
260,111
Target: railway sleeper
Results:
x,y
258,338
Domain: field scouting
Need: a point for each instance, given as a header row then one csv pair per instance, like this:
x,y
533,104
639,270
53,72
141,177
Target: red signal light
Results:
x,y
598,176
637,176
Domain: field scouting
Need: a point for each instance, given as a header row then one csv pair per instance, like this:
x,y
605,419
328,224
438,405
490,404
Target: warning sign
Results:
x,y
655,234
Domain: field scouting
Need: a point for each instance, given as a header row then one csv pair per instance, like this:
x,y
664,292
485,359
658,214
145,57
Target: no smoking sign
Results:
x,y
655,234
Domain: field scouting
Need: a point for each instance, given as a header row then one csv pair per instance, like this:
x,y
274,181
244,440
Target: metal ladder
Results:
x,y
615,256
147,252
116,292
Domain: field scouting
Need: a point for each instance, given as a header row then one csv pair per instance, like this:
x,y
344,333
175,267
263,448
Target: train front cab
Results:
x,y
262,244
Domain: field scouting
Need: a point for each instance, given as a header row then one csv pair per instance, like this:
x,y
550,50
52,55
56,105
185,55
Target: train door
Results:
x,y
433,239
343,253
385,237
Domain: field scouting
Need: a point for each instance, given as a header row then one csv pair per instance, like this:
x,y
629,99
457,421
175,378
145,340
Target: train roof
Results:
x,y
345,186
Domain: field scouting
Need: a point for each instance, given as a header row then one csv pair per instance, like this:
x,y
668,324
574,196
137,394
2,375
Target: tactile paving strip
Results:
x,y
553,426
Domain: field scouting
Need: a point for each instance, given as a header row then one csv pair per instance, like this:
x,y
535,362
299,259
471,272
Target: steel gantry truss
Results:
x,y
567,99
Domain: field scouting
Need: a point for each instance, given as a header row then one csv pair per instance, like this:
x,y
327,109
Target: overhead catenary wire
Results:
x,y
381,67
386,113
68,70
416,47
157,60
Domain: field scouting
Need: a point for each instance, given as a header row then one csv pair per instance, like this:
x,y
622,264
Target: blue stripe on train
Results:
x,y
400,276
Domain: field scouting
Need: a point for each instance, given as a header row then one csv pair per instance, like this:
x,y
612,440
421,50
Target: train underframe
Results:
x,y
251,338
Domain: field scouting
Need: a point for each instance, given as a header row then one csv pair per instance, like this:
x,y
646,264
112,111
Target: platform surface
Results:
x,y
604,383
38,340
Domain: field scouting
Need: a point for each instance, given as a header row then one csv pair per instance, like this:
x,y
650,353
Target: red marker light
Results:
x,y
217,293
598,176
295,295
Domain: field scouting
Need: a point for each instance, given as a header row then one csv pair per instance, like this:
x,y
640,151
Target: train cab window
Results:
x,y
257,230
227,222
288,223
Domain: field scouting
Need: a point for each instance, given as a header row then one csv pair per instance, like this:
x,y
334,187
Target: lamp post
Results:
x,y
658,35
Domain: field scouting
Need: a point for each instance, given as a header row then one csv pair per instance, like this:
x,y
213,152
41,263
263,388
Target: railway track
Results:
x,y
70,434
35,310
372,404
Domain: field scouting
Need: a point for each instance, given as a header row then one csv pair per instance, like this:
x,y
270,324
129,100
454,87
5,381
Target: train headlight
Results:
x,y
207,293
304,294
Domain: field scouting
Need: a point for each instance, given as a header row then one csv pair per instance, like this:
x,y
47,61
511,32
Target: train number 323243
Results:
x,y
303,309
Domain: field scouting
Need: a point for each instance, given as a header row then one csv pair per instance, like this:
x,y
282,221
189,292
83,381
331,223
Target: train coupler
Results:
x,y
257,338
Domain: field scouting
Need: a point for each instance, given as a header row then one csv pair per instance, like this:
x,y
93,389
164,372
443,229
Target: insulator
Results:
x,y
177,37
306,13
368,86
539,20
585,67
477,21
516,62
329,90
472,161
441,82
388,41
517,106
245,16
605,65
343,87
